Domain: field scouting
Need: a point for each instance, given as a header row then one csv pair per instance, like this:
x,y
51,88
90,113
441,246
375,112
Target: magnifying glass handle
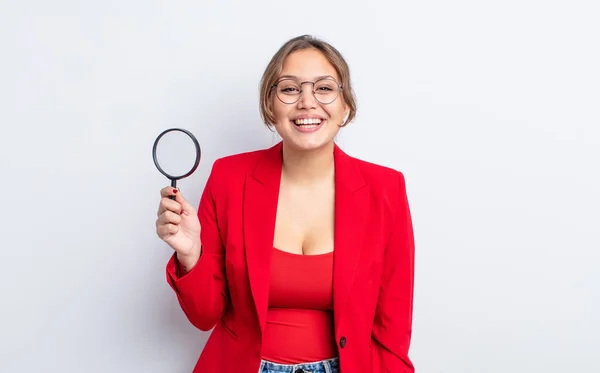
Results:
x,y
174,185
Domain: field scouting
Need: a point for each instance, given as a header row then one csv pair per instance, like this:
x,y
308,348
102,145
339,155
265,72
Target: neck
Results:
x,y
306,167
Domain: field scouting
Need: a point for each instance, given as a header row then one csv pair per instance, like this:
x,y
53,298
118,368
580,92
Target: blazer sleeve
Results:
x,y
393,318
202,292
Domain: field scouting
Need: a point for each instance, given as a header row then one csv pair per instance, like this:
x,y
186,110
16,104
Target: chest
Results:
x,y
305,219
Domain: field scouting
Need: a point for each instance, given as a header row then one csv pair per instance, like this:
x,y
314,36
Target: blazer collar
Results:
x,y
261,193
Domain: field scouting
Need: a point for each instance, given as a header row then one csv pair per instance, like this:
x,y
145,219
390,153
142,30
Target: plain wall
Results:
x,y
489,108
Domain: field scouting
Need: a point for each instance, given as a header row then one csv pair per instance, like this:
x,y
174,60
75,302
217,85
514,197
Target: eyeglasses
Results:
x,y
290,90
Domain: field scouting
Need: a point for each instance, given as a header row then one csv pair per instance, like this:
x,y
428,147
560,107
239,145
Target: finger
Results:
x,y
169,217
167,191
167,204
167,230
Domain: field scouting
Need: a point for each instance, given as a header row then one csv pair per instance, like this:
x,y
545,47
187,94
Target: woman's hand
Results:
x,y
178,225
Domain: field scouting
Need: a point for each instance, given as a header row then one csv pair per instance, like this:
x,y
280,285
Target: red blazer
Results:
x,y
373,264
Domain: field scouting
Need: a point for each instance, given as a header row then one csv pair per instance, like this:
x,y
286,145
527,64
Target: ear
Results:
x,y
346,109
346,113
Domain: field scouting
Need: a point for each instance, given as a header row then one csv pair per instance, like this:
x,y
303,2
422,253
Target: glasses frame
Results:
x,y
301,84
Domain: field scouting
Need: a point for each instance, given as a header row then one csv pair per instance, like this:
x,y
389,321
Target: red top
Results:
x,y
299,326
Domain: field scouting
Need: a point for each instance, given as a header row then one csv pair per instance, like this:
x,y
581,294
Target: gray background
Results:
x,y
490,108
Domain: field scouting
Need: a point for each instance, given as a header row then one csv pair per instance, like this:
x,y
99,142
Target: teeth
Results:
x,y
307,121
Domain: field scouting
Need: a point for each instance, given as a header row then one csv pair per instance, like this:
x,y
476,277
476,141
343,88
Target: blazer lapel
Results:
x,y
351,213
261,193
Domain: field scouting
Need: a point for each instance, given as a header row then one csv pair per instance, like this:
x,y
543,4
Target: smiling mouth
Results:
x,y
308,122
308,125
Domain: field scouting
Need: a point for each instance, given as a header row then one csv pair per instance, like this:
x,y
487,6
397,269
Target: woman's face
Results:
x,y
307,124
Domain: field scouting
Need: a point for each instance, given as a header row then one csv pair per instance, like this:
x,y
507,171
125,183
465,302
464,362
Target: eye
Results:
x,y
288,87
325,86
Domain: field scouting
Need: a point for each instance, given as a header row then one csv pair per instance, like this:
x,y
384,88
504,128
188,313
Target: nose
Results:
x,y
307,99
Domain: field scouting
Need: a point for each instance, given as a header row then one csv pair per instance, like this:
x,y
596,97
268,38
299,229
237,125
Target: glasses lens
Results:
x,y
326,90
288,91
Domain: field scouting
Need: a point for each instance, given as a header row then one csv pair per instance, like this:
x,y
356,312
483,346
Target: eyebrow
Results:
x,y
295,77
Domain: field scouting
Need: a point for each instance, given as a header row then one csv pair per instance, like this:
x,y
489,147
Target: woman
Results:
x,y
304,262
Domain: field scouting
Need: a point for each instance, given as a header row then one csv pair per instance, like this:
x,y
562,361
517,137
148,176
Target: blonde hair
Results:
x,y
275,66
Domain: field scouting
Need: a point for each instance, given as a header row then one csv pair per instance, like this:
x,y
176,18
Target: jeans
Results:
x,y
323,366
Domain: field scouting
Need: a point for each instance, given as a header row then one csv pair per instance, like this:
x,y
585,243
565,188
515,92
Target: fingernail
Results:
x,y
174,190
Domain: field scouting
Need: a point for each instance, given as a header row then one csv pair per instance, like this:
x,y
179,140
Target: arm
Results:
x,y
202,291
393,319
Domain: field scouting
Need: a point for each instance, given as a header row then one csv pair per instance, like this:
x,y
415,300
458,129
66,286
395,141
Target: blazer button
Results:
x,y
343,342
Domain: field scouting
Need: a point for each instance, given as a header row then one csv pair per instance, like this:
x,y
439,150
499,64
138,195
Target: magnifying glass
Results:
x,y
176,154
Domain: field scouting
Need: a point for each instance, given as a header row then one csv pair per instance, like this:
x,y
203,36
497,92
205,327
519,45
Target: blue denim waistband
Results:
x,y
324,366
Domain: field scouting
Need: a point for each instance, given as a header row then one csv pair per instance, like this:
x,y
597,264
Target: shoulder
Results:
x,y
387,186
229,173
379,177
239,161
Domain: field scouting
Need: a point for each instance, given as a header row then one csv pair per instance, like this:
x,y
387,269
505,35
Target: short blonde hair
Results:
x,y
275,66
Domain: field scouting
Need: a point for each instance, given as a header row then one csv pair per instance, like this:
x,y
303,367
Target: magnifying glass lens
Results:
x,y
176,153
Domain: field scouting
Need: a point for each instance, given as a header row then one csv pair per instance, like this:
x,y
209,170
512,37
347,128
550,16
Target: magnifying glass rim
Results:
x,y
198,153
